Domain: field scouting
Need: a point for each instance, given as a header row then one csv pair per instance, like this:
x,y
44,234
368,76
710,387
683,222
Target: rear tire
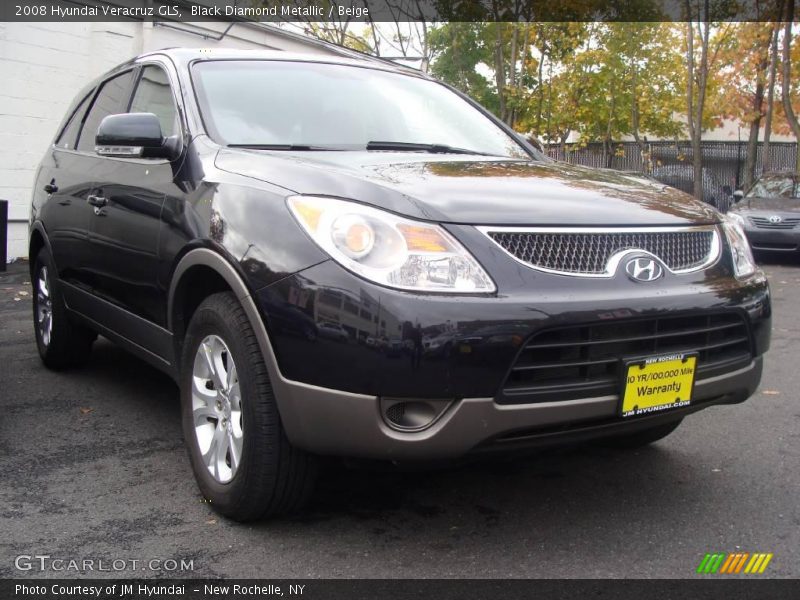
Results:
x,y
62,343
241,458
641,438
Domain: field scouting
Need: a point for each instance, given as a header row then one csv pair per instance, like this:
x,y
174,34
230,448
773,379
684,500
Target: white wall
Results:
x,y
44,65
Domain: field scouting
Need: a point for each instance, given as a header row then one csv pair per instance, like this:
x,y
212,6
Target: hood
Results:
x,y
473,190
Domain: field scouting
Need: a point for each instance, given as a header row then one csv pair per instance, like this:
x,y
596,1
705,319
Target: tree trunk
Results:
x,y
541,91
695,109
500,71
766,158
643,152
512,73
549,100
609,143
752,140
755,125
690,78
787,78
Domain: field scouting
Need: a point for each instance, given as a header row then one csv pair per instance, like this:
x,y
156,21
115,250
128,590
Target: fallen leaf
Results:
x,y
23,293
771,393
211,522
85,411
716,470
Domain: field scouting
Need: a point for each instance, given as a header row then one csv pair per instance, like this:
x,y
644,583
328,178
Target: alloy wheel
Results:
x,y
44,307
217,408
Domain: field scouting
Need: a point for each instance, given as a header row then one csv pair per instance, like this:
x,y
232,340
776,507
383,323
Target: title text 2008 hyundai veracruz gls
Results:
x,y
346,257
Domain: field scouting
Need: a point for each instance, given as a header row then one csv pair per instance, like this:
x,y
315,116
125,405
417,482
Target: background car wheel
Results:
x,y
61,342
242,460
641,438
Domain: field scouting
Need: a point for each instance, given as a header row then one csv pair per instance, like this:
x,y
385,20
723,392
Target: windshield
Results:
x,y
780,186
307,106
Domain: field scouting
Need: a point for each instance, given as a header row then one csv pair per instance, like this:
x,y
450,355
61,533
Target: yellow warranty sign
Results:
x,y
658,383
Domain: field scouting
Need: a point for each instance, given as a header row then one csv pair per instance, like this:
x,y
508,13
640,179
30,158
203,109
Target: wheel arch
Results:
x,y
37,240
287,393
200,273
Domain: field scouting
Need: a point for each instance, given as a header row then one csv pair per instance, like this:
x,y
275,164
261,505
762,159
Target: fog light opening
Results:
x,y
412,415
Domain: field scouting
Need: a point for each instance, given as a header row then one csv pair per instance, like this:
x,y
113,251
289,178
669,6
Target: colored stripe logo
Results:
x,y
735,563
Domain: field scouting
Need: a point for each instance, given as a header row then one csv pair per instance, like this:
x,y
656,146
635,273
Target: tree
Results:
x,y
702,82
788,109
773,67
461,55
749,53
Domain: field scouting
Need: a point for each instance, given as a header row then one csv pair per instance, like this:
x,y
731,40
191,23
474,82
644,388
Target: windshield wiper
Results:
x,y
415,147
288,147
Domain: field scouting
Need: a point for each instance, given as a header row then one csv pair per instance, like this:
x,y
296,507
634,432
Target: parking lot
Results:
x,y
94,468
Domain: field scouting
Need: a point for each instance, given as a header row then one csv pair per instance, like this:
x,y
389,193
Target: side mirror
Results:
x,y
738,195
134,135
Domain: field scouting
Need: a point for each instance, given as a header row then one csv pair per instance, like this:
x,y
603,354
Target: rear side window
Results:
x,y
154,95
110,100
69,135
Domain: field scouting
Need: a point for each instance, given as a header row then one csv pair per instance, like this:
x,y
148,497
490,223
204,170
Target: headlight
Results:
x,y
743,262
388,249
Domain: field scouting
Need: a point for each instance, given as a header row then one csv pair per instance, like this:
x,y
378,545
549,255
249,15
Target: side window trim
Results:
x,y
82,105
178,109
97,90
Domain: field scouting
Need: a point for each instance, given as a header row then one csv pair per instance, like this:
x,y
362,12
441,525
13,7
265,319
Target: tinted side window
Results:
x,y
69,135
153,95
111,100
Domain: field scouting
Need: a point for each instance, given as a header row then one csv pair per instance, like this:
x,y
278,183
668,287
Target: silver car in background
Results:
x,y
769,212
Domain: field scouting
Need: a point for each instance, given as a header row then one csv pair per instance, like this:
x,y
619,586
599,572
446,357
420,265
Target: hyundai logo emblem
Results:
x,y
643,269
775,219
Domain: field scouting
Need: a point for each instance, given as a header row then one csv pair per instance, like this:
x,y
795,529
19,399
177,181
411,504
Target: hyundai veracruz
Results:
x,y
345,257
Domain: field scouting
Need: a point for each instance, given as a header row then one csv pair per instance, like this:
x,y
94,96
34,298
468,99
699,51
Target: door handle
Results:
x,y
51,188
98,201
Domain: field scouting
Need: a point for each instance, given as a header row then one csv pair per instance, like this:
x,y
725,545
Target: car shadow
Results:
x,y
574,484
787,259
595,480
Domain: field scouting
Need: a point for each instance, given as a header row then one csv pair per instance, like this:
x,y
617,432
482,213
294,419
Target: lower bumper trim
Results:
x,y
331,422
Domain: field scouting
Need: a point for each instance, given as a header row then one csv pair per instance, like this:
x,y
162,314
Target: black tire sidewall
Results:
x,y
63,340
42,260
211,321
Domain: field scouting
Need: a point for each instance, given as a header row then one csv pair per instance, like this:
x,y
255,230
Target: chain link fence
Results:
x,y
671,162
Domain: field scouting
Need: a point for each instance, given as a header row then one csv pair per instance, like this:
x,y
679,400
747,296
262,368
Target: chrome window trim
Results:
x,y
614,260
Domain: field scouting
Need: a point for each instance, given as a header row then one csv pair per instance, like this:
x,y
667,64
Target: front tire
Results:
x,y
242,460
62,343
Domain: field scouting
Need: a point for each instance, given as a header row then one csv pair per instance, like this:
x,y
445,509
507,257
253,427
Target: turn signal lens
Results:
x,y
423,239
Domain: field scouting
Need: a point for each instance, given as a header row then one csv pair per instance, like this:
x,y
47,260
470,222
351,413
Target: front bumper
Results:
x,y
329,392
773,240
331,422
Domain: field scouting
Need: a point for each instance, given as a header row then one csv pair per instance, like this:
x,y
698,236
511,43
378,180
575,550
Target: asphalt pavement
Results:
x,y
93,468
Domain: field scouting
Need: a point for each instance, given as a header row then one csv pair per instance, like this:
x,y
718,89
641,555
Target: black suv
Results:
x,y
346,257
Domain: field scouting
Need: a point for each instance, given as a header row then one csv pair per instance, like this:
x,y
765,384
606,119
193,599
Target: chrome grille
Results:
x,y
584,360
590,253
785,223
